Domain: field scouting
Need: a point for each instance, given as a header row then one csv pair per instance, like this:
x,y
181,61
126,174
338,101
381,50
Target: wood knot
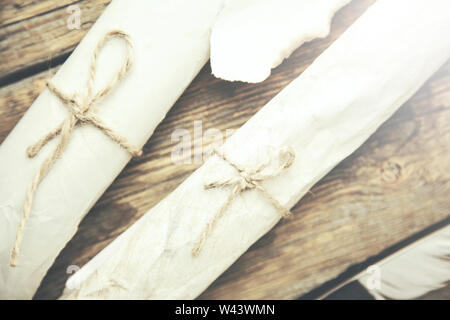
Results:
x,y
390,171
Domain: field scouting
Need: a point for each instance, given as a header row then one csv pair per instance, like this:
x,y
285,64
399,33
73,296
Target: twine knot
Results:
x,y
82,111
245,181
248,179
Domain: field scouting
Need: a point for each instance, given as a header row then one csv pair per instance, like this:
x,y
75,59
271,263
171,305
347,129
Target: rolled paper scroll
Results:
x,y
251,37
170,45
323,115
81,111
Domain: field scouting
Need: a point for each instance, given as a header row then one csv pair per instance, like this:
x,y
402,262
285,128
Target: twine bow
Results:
x,y
82,111
248,179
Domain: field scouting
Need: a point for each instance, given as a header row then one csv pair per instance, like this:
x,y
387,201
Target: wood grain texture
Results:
x,y
396,184
21,10
31,42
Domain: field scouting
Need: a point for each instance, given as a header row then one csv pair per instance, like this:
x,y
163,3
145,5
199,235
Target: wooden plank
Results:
x,y
32,44
20,10
15,99
396,184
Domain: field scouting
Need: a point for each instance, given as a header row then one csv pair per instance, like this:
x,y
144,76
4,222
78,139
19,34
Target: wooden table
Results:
x,y
393,188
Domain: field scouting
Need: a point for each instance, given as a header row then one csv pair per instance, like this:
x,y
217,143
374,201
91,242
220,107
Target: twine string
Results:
x,y
81,109
247,179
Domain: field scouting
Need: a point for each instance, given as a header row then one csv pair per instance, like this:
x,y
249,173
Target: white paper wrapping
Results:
x,y
171,44
324,115
251,37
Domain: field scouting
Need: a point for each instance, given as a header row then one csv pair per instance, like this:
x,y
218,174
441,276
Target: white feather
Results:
x,y
414,271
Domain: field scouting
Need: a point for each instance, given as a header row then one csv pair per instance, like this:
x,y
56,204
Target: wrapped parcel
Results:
x,y
170,41
322,116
